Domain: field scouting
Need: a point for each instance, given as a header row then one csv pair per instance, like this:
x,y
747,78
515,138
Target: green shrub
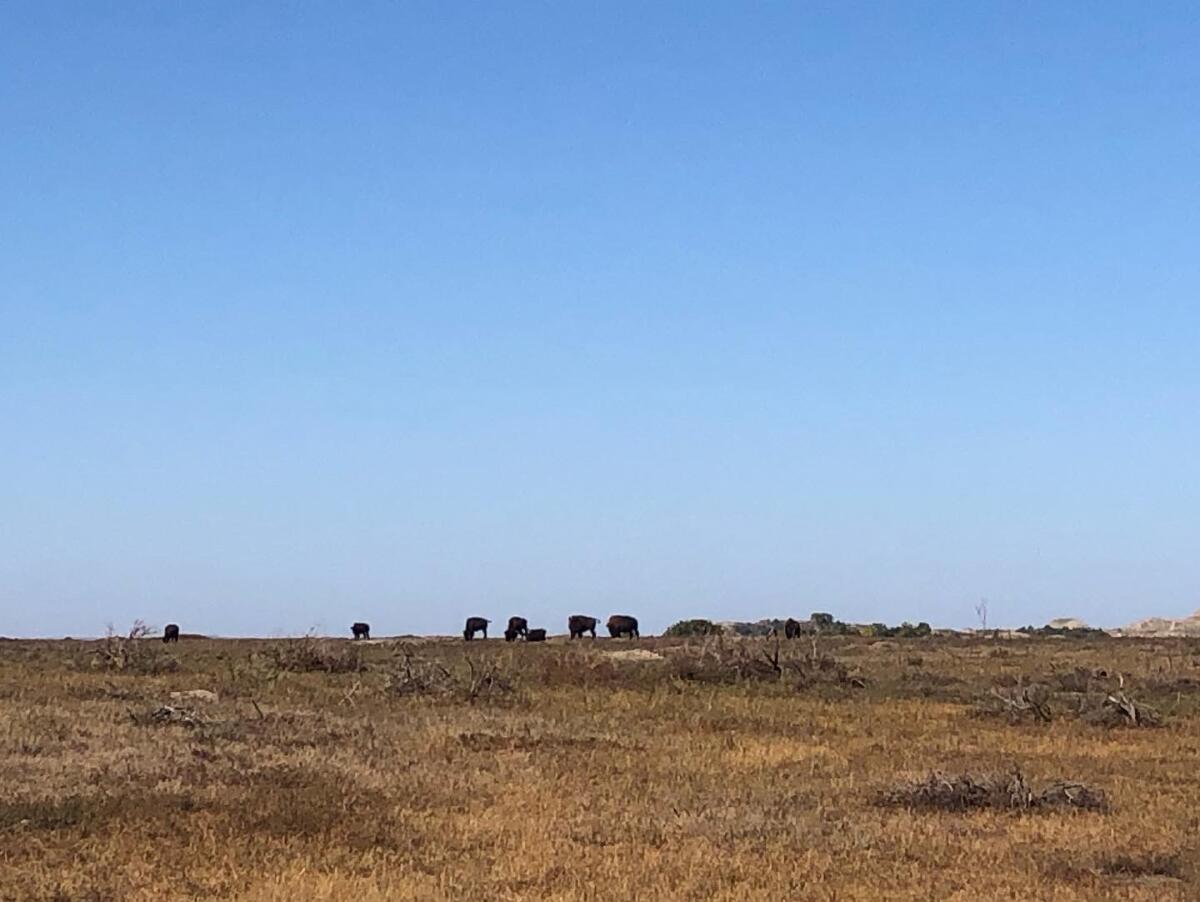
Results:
x,y
698,627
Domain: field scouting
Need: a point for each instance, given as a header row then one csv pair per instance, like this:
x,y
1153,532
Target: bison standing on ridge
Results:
x,y
535,636
475,625
518,625
171,632
622,625
791,629
579,624
361,630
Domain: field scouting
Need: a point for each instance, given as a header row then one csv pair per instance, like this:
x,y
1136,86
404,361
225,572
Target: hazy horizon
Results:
x,y
405,313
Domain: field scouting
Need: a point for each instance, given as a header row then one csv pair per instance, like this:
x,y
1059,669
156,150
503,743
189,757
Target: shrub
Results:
x,y
313,655
416,676
132,653
717,661
998,792
685,628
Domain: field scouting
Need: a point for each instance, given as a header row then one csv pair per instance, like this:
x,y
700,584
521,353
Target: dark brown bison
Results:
x,y
171,632
791,629
579,624
518,625
622,625
475,625
535,636
361,630
510,635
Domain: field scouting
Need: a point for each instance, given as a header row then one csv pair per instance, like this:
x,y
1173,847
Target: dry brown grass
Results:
x,y
558,771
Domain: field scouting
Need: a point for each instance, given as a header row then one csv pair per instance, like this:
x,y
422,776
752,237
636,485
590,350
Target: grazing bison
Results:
x,y
361,630
579,624
510,634
791,629
622,625
518,625
535,636
171,632
475,625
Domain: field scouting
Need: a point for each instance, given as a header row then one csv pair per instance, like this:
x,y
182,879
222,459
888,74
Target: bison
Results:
x,y
361,630
510,635
535,635
791,629
579,624
171,632
622,625
518,625
475,625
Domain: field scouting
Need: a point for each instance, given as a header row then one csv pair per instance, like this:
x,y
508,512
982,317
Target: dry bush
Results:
x,y
167,714
998,792
1152,864
134,652
1117,709
471,682
1020,703
310,654
1077,679
50,814
721,660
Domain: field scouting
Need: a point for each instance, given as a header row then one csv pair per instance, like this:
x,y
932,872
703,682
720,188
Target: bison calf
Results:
x,y
510,634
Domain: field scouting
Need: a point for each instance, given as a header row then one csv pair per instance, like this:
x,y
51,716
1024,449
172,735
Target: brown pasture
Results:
x,y
694,770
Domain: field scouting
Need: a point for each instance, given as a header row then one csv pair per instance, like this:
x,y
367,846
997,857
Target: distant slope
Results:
x,y
1162,627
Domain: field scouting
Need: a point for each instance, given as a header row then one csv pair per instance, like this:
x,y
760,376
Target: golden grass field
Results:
x,y
433,769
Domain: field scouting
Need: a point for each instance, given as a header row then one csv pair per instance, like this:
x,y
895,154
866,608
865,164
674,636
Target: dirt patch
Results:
x,y
634,654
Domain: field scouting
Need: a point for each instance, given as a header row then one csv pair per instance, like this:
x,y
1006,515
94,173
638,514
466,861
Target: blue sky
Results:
x,y
317,312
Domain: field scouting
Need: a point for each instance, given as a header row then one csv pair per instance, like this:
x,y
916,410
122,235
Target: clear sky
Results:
x,y
319,312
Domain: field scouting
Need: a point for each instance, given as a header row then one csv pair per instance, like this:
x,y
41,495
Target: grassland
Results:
x,y
430,769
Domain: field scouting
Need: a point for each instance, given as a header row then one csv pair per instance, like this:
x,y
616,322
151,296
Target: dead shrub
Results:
x,y
165,715
997,792
414,676
1021,703
51,814
718,660
134,652
1078,679
1119,710
310,654
1153,864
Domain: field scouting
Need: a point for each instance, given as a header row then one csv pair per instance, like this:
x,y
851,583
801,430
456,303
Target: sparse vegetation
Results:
x,y
289,769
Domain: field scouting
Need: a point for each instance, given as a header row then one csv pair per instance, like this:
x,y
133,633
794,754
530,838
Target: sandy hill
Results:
x,y
1163,626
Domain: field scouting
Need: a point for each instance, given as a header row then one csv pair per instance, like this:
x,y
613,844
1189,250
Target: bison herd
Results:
x,y
618,625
